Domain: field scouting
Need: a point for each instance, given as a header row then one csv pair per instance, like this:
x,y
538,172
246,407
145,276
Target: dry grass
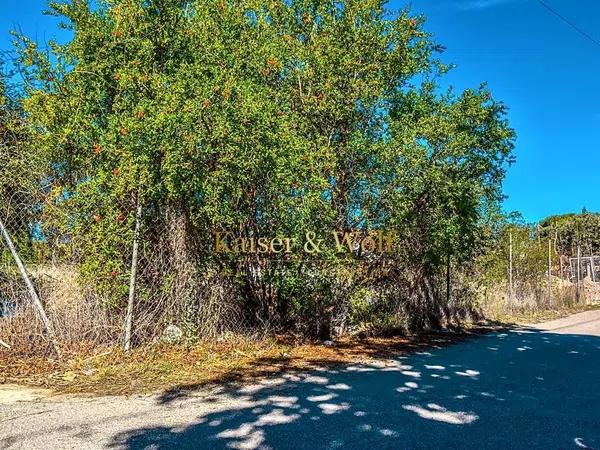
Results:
x,y
174,368
532,305
96,369
541,315
76,319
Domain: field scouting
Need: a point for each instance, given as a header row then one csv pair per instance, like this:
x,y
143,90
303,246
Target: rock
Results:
x,y
328,343
172,334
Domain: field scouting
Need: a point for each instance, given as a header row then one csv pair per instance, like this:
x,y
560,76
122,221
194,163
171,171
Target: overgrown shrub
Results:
x,y
259,119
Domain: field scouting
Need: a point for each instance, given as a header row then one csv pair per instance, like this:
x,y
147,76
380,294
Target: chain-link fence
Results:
x,y
76,248
527,272
95,246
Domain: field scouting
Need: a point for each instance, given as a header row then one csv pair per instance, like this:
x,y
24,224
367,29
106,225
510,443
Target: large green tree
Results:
x,y
262,118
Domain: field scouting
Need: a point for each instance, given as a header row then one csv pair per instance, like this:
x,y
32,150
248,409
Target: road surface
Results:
x,y
534,388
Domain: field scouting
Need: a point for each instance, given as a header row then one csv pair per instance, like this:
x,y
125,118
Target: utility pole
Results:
x,y
510,268
578,272
560,263
37,303
550,271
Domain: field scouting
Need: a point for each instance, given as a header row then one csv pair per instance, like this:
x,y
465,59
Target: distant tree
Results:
x,y
572,230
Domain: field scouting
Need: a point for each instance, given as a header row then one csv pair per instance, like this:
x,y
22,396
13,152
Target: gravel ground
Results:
x,y
532,388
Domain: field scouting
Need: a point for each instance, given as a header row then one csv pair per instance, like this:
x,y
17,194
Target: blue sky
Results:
x,y
541,68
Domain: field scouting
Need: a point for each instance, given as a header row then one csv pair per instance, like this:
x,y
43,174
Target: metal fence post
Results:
x,y
132,281
37,303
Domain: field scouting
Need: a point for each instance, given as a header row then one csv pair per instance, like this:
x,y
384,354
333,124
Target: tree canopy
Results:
x,y
262,118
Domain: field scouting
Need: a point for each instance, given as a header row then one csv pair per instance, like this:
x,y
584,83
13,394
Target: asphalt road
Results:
x,y
535,388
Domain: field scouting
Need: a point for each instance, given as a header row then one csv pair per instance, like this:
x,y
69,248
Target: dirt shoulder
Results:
x,y
13,393
110,371
543,315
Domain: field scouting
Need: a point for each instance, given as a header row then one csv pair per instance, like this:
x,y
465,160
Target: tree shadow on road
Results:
x,y
515,389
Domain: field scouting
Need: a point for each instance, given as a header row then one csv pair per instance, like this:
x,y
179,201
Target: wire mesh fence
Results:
x,y
529,272
78,256
76,239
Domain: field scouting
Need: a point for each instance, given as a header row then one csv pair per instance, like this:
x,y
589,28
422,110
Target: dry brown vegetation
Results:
x,y
529,316
89,368
168,368
533,304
